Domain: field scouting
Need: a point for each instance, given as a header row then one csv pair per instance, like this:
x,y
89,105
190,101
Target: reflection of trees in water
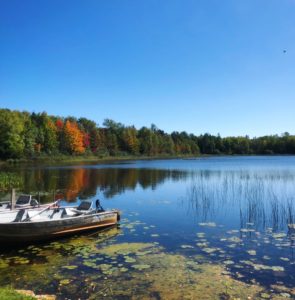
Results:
x,y
267,200
116,181
85,182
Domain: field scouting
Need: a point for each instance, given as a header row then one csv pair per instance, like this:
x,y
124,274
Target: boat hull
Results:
x,y
44,230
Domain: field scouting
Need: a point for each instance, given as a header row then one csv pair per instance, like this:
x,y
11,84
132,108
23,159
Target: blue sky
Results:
x,y
200,66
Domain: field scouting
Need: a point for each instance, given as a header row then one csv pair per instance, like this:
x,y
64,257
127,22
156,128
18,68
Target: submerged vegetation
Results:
x,y
26,135
94,265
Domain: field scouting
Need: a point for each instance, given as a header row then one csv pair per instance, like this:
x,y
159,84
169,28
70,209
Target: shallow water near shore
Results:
x,y
211,226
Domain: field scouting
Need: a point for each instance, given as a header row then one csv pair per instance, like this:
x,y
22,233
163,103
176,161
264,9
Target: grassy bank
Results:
x,y
9,293
95,159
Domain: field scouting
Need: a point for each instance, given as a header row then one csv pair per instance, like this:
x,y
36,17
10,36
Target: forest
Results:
x,y
32,135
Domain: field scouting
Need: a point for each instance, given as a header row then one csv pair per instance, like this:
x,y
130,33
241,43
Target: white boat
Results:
x,y
27,225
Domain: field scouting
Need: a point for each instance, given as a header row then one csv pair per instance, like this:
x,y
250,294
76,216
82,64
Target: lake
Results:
x,y
204,228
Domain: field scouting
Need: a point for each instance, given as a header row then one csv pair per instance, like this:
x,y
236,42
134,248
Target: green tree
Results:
x,y
30,134
131,141
11,134
145,137
47,135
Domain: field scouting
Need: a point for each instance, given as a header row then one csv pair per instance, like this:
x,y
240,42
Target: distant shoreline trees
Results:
x,y
29,135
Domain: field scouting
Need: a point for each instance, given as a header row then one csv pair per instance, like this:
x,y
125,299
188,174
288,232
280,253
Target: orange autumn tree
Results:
x,y
74,138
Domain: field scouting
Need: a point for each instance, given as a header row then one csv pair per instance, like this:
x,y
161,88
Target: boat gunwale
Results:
x,y
61,219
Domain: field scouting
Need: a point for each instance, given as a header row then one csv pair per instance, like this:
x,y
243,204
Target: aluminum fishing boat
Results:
x,y
27,225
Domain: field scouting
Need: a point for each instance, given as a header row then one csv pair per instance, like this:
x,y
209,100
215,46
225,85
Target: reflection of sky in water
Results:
x,y
242,205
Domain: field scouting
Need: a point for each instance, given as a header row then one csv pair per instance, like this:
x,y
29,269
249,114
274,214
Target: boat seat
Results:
x,y
70,212
57,214
34,203
84,206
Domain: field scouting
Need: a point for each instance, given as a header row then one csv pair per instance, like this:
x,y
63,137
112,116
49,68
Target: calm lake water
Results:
x,y
217,226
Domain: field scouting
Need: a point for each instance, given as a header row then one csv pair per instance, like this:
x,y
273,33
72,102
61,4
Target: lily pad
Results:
x,y
64,282
129,259
234,239
208,224
154,235
70,267
228,262
265,296
200,234
123,269
210,250
279,235
247,230
141,267
251,252
186,246
284,258
201,245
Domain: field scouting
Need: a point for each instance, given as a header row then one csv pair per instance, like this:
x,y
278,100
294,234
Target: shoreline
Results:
x,y
90,159
61,159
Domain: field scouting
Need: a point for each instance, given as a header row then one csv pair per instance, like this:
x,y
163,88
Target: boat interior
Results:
x,y
51,213
22,201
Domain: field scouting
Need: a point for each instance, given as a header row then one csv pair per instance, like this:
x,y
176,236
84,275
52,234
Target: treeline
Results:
x,y
29,135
